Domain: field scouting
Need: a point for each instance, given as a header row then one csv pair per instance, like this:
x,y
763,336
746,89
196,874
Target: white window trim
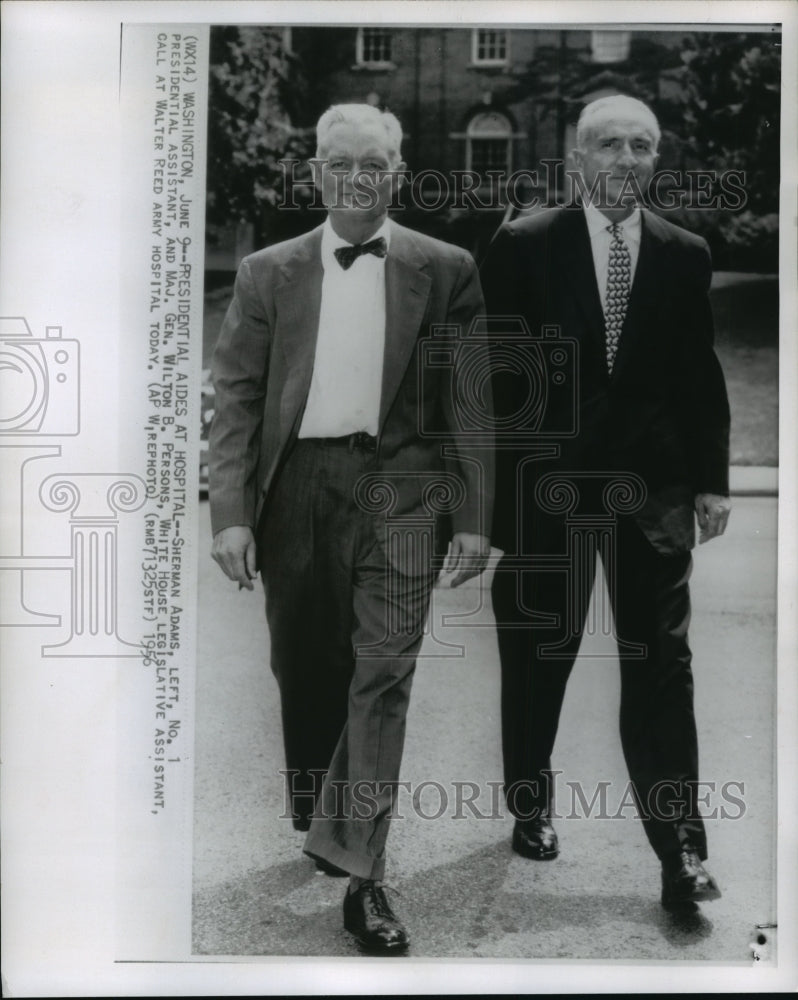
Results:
x,y
360,61
470,135
476,61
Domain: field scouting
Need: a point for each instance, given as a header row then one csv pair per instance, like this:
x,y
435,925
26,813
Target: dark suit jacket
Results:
x,y
663,414
263,362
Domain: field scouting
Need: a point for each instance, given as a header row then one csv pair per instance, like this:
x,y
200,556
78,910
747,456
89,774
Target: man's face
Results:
x,y
355,172
619,157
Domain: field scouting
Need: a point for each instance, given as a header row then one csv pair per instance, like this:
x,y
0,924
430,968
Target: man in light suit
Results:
x,y
332,452
633,444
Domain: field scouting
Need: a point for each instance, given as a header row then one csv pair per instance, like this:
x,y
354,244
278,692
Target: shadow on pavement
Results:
x,y
486,904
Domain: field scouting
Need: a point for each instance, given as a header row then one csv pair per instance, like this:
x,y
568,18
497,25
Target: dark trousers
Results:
x,y
651,605
346,623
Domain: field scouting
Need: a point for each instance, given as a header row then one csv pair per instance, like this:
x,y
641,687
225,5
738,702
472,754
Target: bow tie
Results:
x,y
346,256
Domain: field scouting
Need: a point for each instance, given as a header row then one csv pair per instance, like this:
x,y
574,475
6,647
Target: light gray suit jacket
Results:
x,y
263,362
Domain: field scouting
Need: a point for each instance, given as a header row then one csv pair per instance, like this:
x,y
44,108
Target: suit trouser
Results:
x,y
651,607
346,625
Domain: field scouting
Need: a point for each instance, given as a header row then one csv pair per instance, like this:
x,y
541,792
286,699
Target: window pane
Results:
x,y
488,154
491,45
376,45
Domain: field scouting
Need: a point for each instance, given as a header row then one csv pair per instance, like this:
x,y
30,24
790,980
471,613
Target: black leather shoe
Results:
x,y
535,838
685,880
368,915
330,869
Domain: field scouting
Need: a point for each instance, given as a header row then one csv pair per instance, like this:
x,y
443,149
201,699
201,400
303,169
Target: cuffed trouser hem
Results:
x,y
355,864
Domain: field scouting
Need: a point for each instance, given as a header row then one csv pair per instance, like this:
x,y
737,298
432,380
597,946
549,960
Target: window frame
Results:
x,y
507,137
476,60
360,49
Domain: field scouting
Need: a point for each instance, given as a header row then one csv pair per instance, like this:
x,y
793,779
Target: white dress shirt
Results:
x,y
346,385
600,239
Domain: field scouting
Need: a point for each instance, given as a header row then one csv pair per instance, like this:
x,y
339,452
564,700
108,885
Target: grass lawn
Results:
x,y
752,378
746,321
746,310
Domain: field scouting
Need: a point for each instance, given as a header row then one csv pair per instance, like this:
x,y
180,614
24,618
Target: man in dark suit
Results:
x,y
626,446
336,470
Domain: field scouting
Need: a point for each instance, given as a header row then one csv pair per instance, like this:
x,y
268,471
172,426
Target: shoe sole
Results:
x,y
378,949
537,855
391,949
703,896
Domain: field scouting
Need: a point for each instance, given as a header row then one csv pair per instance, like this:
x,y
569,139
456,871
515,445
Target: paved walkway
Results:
x,y
754,480
463,891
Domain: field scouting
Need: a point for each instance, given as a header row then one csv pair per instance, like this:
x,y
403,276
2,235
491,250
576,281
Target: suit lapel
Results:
x,y
407,288
579,272
298,303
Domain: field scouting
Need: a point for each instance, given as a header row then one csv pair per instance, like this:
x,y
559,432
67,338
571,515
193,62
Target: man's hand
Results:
x,y
468,556
713,515
234,550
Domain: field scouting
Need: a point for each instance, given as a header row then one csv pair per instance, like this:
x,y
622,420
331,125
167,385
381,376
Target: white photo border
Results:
x,y
63,197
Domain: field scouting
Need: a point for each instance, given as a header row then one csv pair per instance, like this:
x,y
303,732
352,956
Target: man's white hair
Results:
x,y
360,114
620,106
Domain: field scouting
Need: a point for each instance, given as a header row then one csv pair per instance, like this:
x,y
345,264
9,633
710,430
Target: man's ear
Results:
x,y
400,170
577,158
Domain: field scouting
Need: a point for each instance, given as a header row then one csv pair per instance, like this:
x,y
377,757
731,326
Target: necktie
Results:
x,y
619,282
346,256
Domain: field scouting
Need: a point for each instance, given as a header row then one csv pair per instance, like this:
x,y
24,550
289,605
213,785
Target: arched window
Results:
x,y
489,143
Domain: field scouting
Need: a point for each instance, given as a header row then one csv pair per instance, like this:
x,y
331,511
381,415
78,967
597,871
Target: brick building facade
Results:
x,y
463,95
481,99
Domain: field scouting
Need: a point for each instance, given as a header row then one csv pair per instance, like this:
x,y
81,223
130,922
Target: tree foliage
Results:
x,y
717,97
731,94
254,84
716,94
731,107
